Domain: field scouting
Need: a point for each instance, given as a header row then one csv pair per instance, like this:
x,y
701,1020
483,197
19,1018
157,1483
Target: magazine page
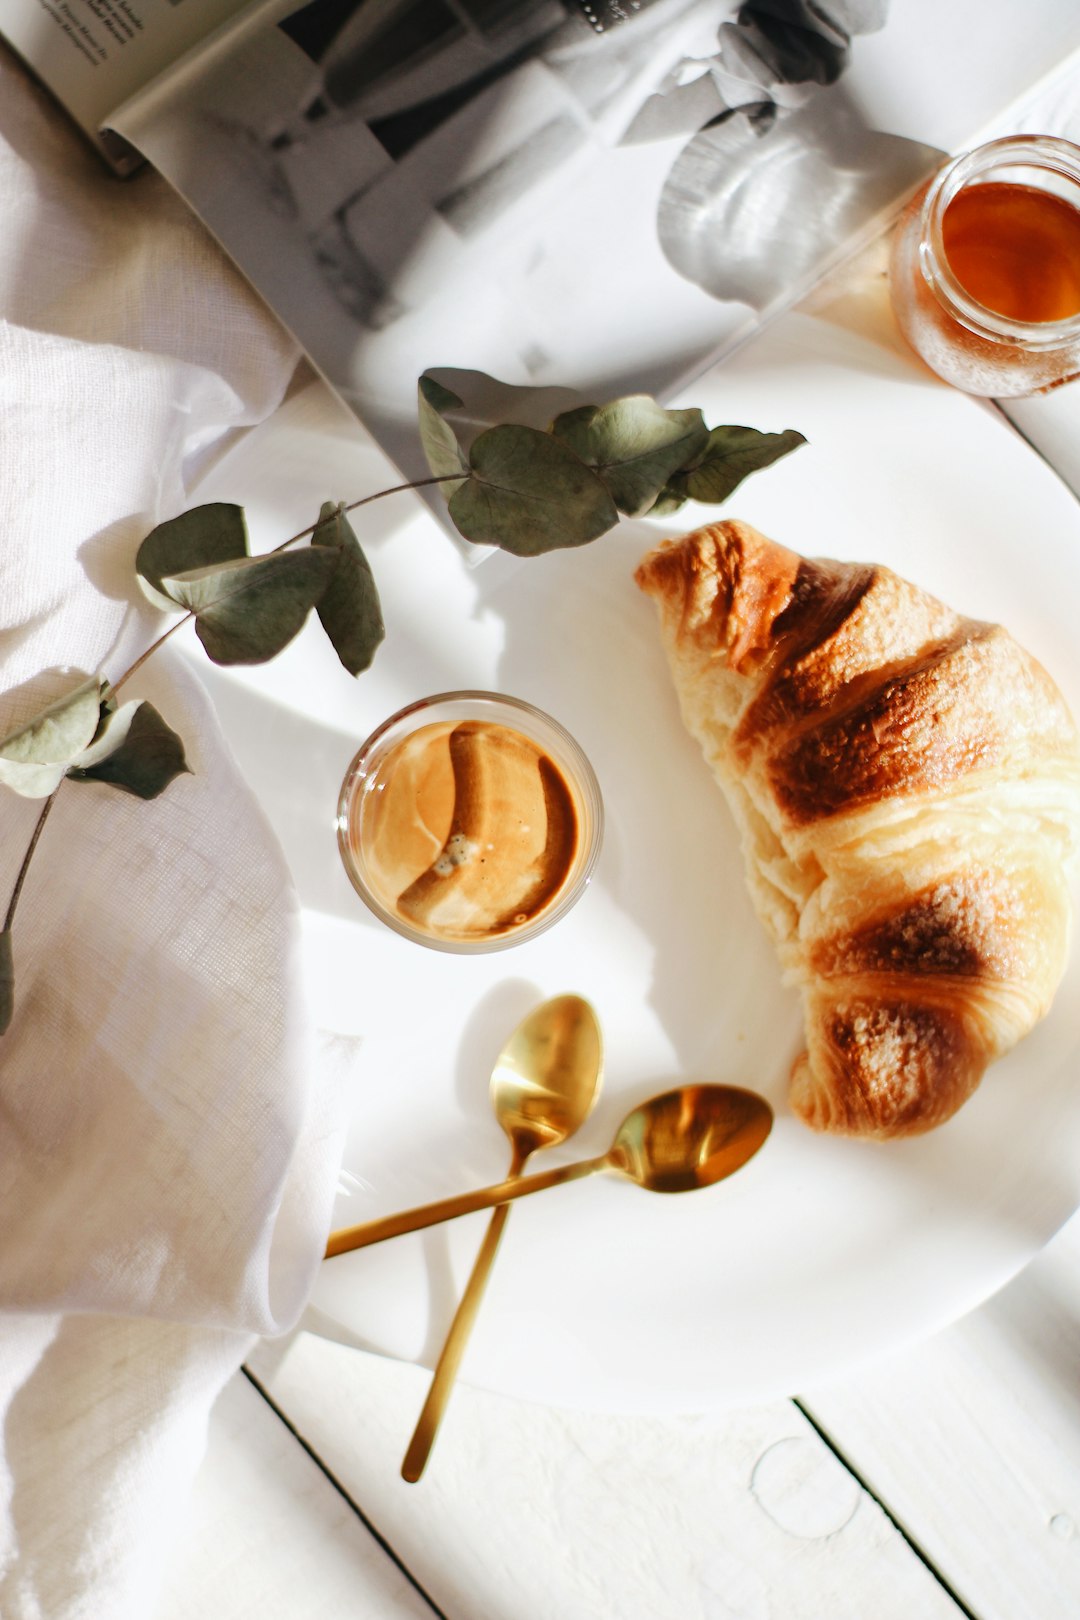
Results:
x,y
94,54
552,195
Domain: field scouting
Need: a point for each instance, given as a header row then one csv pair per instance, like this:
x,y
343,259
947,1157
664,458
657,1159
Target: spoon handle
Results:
x,y
427,1425
446,1209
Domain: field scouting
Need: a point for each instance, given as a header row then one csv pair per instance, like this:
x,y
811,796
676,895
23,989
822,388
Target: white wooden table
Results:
x,y
943,1481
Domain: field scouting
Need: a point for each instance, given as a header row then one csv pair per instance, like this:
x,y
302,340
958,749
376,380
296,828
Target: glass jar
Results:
x,y
470,821
1011,326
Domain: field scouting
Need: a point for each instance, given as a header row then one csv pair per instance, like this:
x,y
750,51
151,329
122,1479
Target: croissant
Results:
x,y
907,786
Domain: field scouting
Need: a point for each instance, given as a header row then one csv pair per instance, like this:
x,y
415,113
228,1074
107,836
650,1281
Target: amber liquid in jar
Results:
x,y
1015,249
984,268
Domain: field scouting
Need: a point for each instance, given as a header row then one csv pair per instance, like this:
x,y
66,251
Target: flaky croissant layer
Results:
x,y
907,786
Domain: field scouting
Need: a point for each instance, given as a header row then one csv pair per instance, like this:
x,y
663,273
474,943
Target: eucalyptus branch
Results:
x,y
351,506
523,489
185,618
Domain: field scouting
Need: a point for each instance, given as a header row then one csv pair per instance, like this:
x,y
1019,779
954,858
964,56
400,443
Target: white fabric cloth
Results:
x,y
168,1131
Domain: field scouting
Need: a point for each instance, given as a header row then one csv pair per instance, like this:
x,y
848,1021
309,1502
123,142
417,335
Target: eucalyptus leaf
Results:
x,y
732,453
112,729
7,980
149,756
111,732
61,730
31,781
214,533
529,493
249,608
348,609
437,437
634,445
34,757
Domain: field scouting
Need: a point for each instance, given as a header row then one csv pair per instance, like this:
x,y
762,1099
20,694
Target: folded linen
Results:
x,y
169,1133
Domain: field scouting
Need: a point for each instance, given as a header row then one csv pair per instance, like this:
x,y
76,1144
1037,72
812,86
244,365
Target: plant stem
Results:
x,y
30,848
395,489
153,647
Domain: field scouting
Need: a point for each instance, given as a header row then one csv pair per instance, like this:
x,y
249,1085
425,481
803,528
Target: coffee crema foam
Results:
x,y
466,830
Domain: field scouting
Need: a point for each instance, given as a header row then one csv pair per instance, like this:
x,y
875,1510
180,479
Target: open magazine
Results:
x,y
606,195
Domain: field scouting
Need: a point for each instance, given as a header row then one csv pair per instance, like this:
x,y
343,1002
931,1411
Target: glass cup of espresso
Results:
x,y
984,270
470,821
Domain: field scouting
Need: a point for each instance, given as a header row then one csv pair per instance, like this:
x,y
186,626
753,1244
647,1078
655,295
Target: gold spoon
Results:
x,y
543,1087
677,1142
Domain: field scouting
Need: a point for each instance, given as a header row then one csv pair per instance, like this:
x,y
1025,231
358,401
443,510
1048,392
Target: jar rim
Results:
x,y
1046,152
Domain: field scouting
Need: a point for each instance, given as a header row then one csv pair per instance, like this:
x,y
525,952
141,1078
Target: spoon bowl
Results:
x,y
547,1077
689,1138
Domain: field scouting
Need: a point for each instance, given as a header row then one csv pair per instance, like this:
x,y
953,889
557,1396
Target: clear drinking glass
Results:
x,y
984,271
470,821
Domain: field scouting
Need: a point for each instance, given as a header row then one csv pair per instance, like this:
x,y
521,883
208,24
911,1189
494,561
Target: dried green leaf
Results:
x,y
34,757
529,493
61,730
144,761
214,533
112,728
249,608
348,609
7,980
31,781
634,446
731,454
438,439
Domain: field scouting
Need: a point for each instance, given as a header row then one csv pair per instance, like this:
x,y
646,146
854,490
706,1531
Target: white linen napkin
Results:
x,y
169,1134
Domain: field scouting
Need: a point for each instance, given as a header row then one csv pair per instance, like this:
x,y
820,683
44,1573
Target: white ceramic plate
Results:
x,y
821,1253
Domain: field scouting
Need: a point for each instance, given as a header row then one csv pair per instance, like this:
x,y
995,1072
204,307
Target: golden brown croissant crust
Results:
x,y
907,785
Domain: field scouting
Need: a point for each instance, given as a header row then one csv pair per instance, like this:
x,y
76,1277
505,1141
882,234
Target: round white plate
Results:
x,y
821,1252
